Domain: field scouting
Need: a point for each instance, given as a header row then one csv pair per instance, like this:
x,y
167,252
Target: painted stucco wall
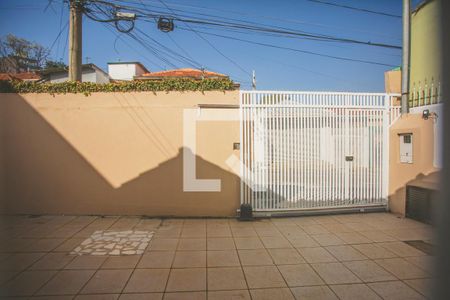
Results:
x,y
113,153
423,157
425,46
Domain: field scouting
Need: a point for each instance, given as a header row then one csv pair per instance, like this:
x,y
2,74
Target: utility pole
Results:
x,y
406,55
253,80
75,40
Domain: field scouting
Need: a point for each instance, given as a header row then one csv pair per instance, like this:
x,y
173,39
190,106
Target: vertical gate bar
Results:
x,y
296,145
302,154
307,161
333,151
289,162
277,147
244,148
266,159
249,162
269,152
366,171
292,147
385,170
286,152
360,154
249,149
241,169
371,165
379,143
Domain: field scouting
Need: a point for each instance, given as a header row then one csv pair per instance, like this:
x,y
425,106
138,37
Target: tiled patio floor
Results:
x,y
359,256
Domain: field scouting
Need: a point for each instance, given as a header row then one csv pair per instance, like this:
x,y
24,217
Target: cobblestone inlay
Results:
x,y
115,243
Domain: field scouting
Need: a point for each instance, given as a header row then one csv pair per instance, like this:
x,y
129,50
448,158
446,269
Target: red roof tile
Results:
x,y
20,76
190,73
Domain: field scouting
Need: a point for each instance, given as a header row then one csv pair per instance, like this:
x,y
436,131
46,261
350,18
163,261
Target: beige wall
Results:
x,y
423,149
113,153
393,81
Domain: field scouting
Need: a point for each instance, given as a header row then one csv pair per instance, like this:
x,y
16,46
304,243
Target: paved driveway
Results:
x,y
358,256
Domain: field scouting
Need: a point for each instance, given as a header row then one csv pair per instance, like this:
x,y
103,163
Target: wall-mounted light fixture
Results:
x,y
426,114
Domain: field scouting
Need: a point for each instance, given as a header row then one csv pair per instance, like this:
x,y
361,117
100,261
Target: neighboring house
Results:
x,y
180,73
121,71
89,73
24,76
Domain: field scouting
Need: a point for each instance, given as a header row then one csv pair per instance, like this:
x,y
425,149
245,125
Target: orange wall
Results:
x,y
400,173
113,153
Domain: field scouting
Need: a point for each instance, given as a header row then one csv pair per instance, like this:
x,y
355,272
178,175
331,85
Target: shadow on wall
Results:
x,y
429,181
47,175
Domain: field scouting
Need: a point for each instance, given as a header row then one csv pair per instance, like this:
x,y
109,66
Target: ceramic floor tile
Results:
x,y
395,290
402,269
345,253
220,244
248,243
263,277
313,293
26,283
286,256
147,281
274,293
107,281
187,280
156,260
191,244
300,275
316,255
222,258
369,271
66,282
189,259
335,273
229,295
258,257
226,279
354,292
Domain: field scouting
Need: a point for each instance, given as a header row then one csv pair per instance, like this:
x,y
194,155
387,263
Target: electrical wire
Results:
x,y
298,50
272,29
212,46
355,8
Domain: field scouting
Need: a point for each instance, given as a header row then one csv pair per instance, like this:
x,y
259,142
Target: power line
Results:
x,y
263,28
356,8
284,20
299,50
211,45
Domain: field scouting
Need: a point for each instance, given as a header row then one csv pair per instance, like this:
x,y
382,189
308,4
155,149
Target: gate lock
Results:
x,y
349,158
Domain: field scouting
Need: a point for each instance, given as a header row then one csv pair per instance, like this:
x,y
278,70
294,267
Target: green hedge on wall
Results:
x,y
128,86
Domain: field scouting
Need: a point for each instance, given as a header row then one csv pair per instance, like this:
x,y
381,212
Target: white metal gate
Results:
x,y
314,150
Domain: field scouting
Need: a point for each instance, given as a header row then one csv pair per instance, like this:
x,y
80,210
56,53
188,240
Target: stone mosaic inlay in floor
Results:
x,y
115,243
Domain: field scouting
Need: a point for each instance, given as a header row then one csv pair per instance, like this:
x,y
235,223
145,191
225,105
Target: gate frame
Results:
x,y
390,114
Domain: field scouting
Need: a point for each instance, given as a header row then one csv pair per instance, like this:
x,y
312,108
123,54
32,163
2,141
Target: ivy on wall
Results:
x,y
87,88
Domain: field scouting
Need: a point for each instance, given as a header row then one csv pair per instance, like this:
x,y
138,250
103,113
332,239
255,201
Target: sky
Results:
x,y
276,69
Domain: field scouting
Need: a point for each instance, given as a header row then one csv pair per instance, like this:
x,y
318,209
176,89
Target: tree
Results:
x,y
51,65
20,55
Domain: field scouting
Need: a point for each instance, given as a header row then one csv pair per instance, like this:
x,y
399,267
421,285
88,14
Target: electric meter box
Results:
x,y
406,148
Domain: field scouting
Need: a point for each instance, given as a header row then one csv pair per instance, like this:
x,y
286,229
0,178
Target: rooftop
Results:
x,y
182,73
25,76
